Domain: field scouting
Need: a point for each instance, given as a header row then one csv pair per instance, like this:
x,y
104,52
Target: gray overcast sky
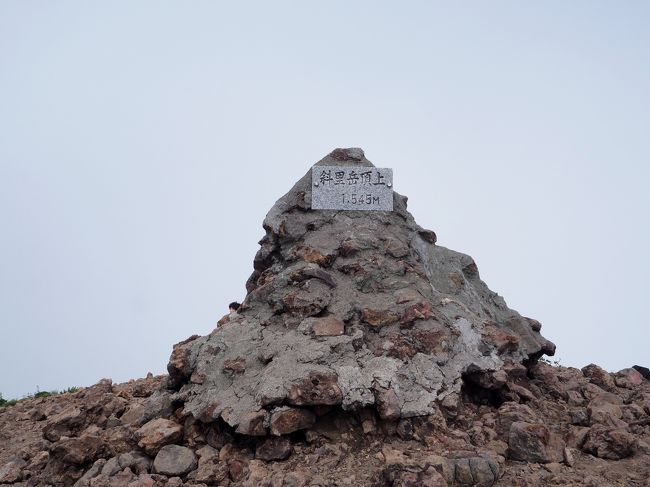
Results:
x,y
142,143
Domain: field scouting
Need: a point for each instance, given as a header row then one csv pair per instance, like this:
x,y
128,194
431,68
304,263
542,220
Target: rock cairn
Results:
x,y
363,355
351,310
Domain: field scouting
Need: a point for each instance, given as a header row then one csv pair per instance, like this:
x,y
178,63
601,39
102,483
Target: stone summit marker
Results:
x,y
352,188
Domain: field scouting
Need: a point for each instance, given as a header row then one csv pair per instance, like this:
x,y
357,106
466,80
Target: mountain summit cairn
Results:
x,y
352,310
363,355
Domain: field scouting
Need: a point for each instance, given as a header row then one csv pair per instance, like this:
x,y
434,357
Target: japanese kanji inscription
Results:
x,y
351,188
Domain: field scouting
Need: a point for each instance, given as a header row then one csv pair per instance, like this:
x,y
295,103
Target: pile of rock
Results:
x,y
353,310
548,426
364,354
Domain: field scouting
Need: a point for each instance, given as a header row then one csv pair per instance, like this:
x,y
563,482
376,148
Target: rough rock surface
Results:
x,y
352,309
364,355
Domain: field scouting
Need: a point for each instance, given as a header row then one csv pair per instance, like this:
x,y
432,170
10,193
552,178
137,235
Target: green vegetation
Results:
x,y
37,394
5,403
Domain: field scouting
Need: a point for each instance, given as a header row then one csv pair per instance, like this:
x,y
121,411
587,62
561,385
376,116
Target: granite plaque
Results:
x,y
351,188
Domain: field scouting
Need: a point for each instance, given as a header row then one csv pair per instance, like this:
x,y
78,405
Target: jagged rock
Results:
x,y
211,469
274,448
66,423
628,378
317,389
174,460
91,473
254,423
365,301
512,412
78,451
609,443
476,471
12,472
158,433
605,413
287,420
644,371
534,443
599,377
135,461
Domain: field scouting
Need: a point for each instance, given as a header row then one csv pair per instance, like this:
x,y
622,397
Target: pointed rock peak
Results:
x,y
352,310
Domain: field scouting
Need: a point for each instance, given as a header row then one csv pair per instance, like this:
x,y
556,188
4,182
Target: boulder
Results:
x,y
628,378
609,443
274,448
174,460
531,442
158,433
287,420
66,423
79,451
599,377
12,472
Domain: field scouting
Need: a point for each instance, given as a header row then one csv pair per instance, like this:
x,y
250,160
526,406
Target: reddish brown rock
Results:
x,y
274,448
287,420
605,413
328,326
314,256
180,367
534,443
12,471
429,236
317,389
609,443
309,299
65,423
388,405
157,433
599,377
236,365
254,423
238,469
628,378
502,341
375,317
416,312
347,154
512,412
79,451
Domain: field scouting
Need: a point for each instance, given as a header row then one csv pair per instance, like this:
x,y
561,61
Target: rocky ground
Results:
x,y
364,354
545,426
